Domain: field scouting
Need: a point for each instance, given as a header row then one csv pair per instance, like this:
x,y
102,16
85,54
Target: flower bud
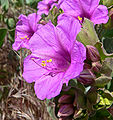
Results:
x,y
77,113
96,66
65,110
86,77
92,53
65,99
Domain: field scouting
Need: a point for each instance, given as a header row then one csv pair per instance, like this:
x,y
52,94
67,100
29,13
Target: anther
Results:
x,y
43,64
79,18
50,60
21,38
43,61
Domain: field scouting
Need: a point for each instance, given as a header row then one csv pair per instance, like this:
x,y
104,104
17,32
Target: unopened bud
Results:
x,y
86,77
92,53
77,113
96,66
66,110
65,99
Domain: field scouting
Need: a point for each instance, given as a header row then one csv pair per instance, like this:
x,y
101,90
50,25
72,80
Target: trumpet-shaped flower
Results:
x,y
25,28
86,8
56,58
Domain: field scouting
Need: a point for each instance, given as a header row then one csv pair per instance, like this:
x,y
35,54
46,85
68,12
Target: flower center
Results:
x,y
80,19
44,63
23,38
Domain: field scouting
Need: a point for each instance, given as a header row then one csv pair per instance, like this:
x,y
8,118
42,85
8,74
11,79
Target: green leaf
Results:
x,y
92,95
51,108
87,35
102,51
80,98
11,23
5,4
106,68
3,32
110,88
29,1
102,114
108,44
102,81
74,82
32,1
108,3
107,33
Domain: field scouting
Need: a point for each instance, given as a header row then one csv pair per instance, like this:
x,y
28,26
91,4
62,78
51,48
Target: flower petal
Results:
x,y
71,7
78,55
42,8
32,71
17,44
100,15
25,28
44,42
69,25
88,6
23,24
49,87
33,20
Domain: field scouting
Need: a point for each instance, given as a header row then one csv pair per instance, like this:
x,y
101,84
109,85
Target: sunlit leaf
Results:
x,y
87,35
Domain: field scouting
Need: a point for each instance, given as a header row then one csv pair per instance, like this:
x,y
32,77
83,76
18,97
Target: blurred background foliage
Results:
x,y
17,98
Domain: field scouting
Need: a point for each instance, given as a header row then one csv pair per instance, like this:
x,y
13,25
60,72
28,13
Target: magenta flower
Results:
x,y
56,58
46,5
86,8
25,28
